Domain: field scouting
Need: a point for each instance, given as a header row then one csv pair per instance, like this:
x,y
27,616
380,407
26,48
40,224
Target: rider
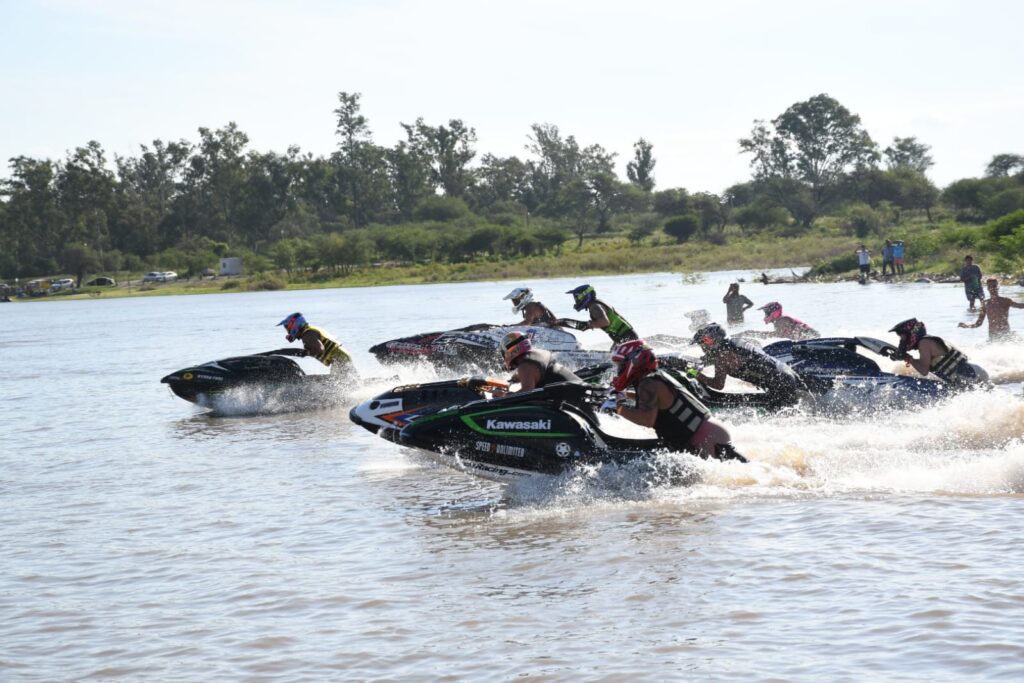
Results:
x,y
533,367
534,312
935,355
745,360
677,416
319,345
785,326
602,316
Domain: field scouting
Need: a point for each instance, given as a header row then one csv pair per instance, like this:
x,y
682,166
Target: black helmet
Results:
x,y
709,337
911,331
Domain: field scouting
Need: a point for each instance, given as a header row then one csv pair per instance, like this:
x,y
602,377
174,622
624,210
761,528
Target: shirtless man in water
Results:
x,y
997,309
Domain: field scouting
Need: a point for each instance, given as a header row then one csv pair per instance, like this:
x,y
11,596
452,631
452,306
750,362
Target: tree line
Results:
x,y
431,197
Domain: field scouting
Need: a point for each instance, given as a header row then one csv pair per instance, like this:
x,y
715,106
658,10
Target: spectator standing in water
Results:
x,y
898,251
888,258
863,262
735,303
997,310
970,275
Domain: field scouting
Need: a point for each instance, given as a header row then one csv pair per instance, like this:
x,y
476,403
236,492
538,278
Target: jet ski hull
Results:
x,y
270,378
548,431
476,347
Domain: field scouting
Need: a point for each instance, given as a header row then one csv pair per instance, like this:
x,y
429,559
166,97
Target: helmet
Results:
x,y
520,297
633,361
514,345
772,310
910,331
294,325
710,337
584,296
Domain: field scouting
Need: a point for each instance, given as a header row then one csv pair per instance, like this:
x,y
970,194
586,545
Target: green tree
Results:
x,y
448,150
682,228
360,169
908,153
640,171
1003,165
79,259
813,143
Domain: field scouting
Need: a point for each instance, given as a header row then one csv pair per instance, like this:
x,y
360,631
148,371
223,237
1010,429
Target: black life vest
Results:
x,y
763,371
679,422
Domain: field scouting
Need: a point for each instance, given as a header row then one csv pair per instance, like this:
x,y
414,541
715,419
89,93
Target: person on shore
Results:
x,y
935,356
735,303
532,368
784,326
602,316
534,312
970,275
997,310
898,251
864,262
319,345
888,258
745,360
662,403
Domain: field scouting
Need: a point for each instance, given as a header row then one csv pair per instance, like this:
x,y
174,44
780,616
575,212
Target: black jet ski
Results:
x,y
271,379
549,430
476,347
833,365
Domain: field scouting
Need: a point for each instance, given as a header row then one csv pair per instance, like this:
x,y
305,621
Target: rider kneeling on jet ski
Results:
x,y
534,312
935,355
319,345
602,316
533,367
745,360
677,416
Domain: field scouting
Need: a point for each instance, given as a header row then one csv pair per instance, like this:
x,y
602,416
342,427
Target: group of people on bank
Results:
x,y
656,398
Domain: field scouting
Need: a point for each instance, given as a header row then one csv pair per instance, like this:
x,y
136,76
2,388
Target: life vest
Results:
x,y
333,353
618,328
677,424
551,370
952,366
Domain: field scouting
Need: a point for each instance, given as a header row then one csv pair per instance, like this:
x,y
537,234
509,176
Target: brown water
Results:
x,y
145,540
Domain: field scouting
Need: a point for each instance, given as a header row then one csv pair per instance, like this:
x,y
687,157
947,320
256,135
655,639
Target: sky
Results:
x,y
689,77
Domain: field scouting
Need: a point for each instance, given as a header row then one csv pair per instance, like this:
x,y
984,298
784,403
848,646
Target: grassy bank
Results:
x,y
931,248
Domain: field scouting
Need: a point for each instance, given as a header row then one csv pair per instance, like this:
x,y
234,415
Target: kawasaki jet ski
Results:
x,y
549,430
476,346
399,406
270,380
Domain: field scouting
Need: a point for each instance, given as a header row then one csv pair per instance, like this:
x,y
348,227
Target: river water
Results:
x,y
146,540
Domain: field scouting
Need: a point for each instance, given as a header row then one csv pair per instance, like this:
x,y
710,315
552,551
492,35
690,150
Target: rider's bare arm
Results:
x,y
646,412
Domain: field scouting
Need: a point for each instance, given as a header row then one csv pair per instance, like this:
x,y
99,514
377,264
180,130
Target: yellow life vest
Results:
x,y
333,353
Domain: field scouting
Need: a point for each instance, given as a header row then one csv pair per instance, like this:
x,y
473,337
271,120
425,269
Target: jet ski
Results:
x,y
476,346
833,364
270,379
548,431
400,405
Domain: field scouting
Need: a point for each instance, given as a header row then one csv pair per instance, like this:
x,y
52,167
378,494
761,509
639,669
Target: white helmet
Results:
x,y
520,297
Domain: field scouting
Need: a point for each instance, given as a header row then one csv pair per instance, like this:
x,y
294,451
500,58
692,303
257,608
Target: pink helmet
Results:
x,y
772,310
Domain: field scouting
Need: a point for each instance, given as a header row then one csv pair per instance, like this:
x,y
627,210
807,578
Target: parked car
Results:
x,y
154,276
62,284
170,276
102,282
